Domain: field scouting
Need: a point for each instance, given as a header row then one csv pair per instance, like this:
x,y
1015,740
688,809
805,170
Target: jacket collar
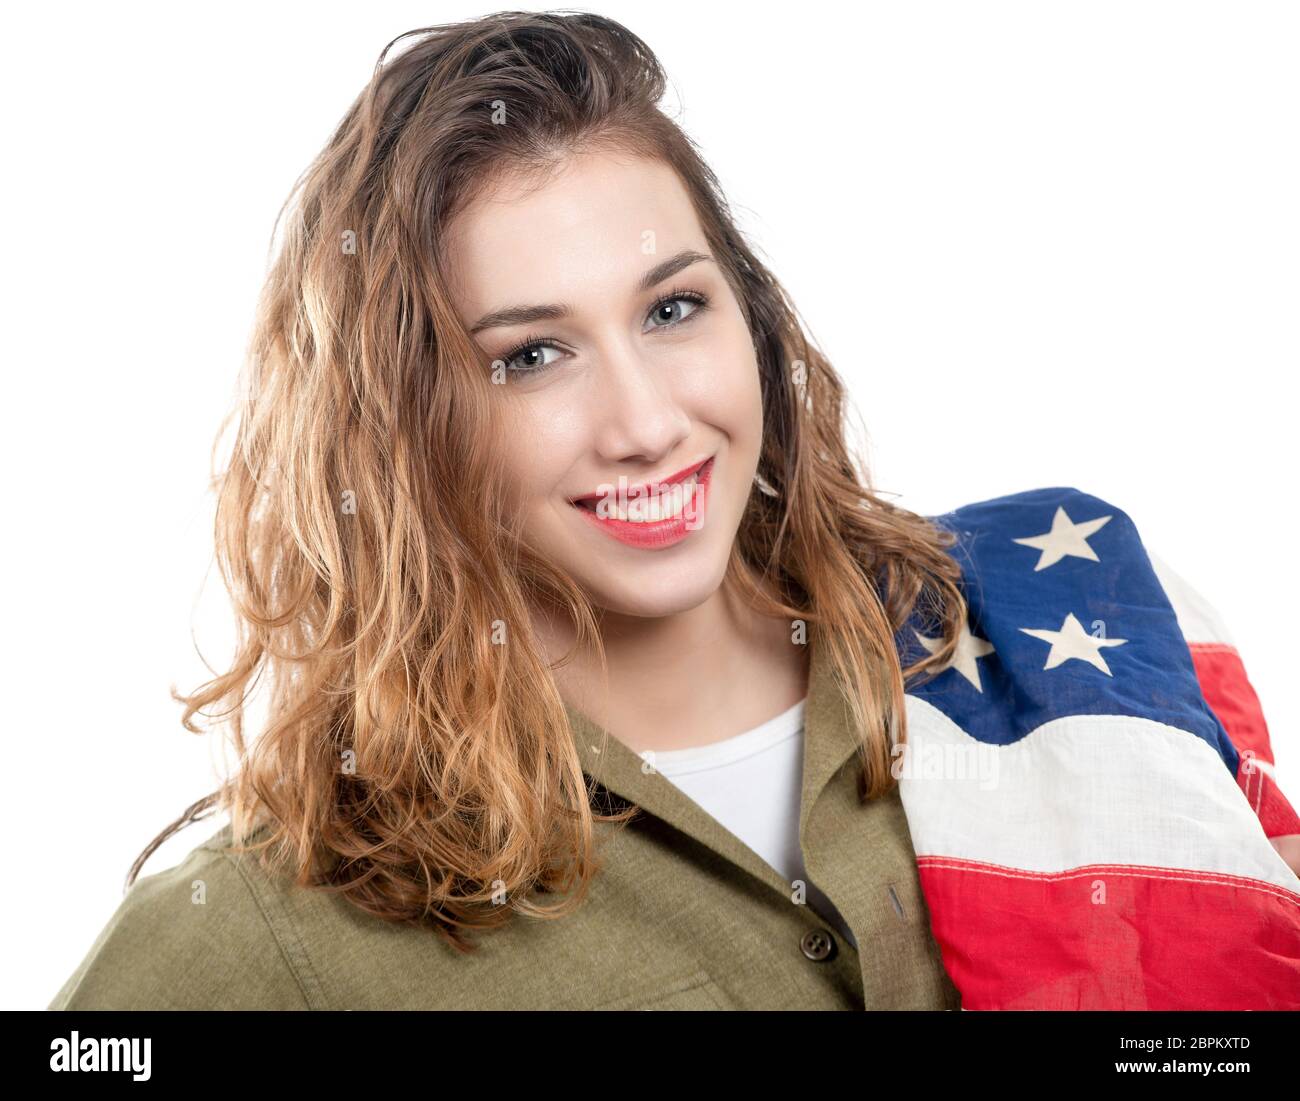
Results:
x,y
827,744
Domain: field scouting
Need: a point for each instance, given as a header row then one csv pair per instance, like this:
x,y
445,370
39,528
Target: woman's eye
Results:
x,y
670,311
531,358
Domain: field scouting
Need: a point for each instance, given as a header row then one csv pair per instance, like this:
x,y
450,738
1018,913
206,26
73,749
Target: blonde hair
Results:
x,y
358,529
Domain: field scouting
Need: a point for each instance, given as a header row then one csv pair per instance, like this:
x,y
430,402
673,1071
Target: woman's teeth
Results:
x,y
670,503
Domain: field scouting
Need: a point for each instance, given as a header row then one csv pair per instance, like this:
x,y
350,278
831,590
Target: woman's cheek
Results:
x,y
723,385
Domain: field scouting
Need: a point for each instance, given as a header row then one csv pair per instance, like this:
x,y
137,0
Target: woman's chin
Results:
x,y
657,593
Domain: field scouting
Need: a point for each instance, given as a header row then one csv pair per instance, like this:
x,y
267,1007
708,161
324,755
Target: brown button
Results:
x,y
818,944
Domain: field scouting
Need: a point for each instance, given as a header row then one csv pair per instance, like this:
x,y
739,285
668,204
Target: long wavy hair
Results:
x,y
408,760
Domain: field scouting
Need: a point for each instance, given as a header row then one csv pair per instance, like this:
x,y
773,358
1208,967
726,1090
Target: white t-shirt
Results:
x,y
751,784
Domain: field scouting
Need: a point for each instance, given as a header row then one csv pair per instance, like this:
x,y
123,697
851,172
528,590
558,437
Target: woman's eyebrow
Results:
x,y
524,315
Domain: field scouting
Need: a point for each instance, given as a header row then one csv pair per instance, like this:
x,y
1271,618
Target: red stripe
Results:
x,y
1231,697
1113,937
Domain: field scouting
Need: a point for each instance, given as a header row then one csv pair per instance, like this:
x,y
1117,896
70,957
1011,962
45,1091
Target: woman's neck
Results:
x,y
686,679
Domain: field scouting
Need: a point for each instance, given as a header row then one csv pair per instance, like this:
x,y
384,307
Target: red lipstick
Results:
x,y
680,498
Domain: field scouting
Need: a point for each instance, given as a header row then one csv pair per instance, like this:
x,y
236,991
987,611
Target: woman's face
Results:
x,y
624,366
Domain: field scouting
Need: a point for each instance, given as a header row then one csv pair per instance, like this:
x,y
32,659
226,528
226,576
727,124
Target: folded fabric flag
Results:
x,y
1228,691
1089,782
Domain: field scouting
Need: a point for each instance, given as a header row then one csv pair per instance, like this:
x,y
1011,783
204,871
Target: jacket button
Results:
x,y
818,944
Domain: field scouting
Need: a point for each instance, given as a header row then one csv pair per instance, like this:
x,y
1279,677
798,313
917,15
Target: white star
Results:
x,y
969,648
1066,537
1072,641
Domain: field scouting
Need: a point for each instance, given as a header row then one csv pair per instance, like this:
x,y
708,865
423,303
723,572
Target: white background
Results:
x,y
1045,243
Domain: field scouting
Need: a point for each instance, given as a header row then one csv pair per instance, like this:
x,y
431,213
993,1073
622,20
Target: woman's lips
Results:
x,y
642,489
655,521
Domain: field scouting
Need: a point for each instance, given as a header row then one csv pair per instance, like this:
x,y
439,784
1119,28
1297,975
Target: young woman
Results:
x,y
579,621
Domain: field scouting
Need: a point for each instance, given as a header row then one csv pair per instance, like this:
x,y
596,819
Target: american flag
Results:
x,y
1089,783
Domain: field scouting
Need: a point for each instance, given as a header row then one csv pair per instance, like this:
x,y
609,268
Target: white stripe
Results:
x,y
1260,765
1199,619
1080,790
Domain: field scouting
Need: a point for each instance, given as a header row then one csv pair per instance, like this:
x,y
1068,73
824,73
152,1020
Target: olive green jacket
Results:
x,y
682,915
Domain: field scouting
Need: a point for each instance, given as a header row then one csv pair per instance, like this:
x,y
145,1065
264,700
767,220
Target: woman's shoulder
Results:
x,y
1065,508
200,935
1067,615
1062,538
1087,538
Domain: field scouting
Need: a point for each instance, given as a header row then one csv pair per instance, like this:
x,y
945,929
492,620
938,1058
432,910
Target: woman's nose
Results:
x,y
636,411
